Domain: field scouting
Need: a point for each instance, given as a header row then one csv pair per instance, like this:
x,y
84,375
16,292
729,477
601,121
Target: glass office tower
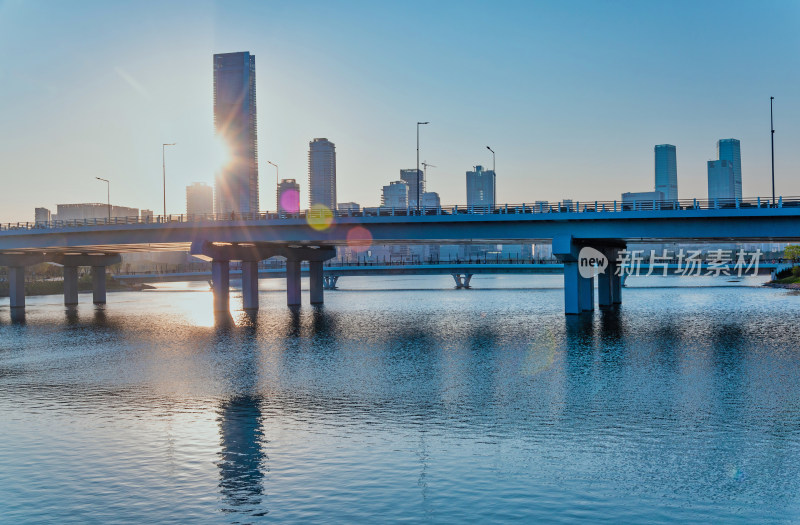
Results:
x,y
667,171
729,149
236,185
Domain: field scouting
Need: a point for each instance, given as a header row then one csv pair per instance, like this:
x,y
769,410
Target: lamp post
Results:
x,y
418,177
108,194
490,149
164,173
772,146
277,186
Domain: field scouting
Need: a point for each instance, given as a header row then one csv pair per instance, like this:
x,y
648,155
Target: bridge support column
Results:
x,y
604,294
16,286
293,282
572,302
99,284
70,285
250,285
316,283
586,286
329,282
462,280
220,282
578,290
616,288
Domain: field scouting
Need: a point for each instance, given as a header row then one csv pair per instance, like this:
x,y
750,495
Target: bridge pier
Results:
x,y
70,285
609,284
16,286
252,252
579,290
293,282
462,280
99,284
220,282
329,282
316,281
250,285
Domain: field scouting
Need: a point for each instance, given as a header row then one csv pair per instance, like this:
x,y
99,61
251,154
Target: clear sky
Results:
x,y
571,95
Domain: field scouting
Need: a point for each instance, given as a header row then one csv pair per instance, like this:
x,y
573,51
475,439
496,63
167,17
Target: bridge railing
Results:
x,y
537,207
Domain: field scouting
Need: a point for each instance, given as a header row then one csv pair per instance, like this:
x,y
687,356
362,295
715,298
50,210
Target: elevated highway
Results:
x,y
312,235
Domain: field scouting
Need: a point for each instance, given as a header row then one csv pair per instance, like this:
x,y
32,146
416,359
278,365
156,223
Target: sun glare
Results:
x,y
221,153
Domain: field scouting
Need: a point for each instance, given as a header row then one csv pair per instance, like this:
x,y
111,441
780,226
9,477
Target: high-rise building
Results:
x,y
730,150
236,184
480,187
288,196
322,173
667,171
199,199
416,182
395,195
42,215
721,180
430,200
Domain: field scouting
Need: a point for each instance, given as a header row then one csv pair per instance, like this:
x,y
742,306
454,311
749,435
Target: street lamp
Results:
x,y
108,194
277,186
490,149
418,177
164,173
772,145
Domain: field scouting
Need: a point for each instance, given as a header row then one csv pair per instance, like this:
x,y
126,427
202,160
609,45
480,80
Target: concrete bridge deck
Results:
x,y
311,236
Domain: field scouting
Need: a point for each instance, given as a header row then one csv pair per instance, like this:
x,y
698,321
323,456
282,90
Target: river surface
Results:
x,y
404,399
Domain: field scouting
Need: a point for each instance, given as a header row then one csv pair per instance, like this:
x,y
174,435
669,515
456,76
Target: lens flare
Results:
x,y
359,239
290,201
319,217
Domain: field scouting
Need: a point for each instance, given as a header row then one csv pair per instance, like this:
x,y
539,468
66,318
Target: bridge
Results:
x,y
311,236
461,272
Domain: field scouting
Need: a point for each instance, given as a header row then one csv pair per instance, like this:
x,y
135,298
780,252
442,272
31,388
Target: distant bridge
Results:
x,y
312,236
461,272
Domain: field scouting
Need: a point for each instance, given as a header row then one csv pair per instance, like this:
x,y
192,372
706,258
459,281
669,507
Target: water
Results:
x,y
426,404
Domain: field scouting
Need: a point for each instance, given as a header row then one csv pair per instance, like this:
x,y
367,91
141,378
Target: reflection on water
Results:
x,y
439,406
243,462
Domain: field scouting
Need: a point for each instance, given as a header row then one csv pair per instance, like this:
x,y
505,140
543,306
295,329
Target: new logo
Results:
x,y
591,262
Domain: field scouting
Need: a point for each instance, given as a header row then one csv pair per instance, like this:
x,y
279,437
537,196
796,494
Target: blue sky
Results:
x,y
571,95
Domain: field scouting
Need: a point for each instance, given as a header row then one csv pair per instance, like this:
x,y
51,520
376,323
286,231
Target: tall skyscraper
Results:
x,y
199,199
288,196
729,149
395,195
480,187
667,171
322,173
416,182
721,180
236,184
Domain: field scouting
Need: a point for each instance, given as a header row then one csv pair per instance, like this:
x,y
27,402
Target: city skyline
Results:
x,y
555,138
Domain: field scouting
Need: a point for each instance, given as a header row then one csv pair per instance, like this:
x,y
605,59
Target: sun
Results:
x,y
221,153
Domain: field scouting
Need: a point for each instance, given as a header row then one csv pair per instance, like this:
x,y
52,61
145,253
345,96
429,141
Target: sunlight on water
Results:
x,y
425,404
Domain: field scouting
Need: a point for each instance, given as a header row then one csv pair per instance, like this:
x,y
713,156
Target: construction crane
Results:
x,y
425,169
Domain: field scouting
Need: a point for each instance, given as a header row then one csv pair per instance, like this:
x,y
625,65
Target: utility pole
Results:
x,y
419,182
108,195
772,145
164,173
